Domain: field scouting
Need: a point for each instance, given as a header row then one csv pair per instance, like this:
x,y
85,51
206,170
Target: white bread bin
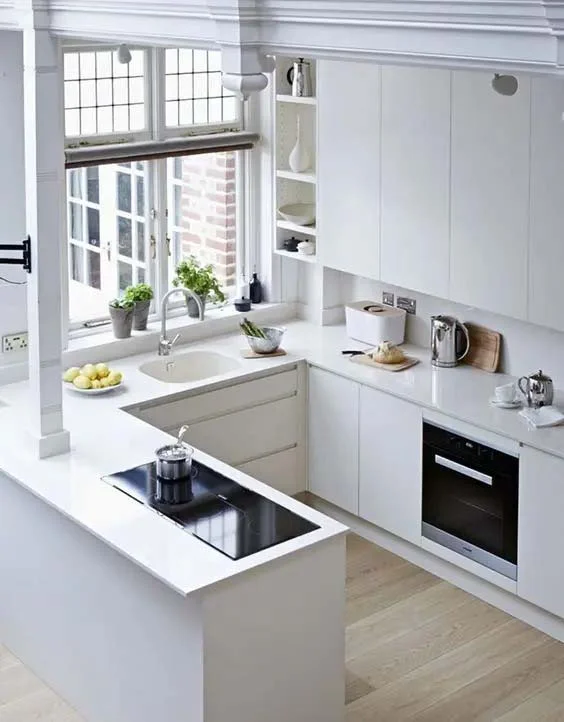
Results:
x,y
373,323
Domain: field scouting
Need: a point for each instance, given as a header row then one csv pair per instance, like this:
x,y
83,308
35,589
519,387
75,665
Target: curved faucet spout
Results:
x,y
165,346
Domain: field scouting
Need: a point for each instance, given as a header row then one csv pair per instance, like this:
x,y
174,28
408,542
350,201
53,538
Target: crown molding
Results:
x,y
523,34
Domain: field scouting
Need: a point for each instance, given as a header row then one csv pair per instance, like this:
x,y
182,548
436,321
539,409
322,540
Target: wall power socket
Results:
x,y
14,342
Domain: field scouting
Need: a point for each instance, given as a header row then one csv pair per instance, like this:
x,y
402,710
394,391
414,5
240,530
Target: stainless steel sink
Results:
x,y
189,366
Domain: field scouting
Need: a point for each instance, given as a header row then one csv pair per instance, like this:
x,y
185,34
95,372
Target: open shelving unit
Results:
x,y
292,187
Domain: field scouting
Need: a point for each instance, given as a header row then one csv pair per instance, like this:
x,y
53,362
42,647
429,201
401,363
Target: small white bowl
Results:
x,y
302,214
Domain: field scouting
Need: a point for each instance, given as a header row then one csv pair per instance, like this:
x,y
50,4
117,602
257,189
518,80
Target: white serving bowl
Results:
x,y
271,343
302,214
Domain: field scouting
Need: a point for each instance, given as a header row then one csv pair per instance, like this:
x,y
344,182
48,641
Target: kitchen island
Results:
x,y
129,617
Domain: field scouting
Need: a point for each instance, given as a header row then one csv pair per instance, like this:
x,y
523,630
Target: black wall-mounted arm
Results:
x,y
24,247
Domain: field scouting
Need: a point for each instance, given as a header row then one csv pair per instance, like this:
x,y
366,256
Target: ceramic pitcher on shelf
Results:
x,y
299,159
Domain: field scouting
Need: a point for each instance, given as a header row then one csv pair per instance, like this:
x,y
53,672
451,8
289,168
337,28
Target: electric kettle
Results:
x,y
446,335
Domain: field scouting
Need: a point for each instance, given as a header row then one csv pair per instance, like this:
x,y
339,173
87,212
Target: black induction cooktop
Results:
x,y
229,517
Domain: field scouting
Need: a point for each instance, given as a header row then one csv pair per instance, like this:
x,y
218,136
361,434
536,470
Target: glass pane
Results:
x,y
124,192
77,263
75,183
72,95
93,183
140,196
124,236
200,111
185,87
104,89
121,95
141,241
71,66
200,86
184,61
72,122
76,221
88,124
93,226
203,212
87,65
104,64
136,90
171,61
105,119
94,278
141,275
177,205
125,275
186,112
214,60
200,61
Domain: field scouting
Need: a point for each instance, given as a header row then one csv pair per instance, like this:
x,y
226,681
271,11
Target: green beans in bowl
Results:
x,y
262,339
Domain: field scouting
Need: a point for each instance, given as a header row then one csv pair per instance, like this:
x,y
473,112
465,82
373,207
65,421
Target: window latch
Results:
x,y
153,247
24,247
153,213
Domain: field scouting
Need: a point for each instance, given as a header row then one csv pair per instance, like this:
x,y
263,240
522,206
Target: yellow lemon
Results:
x,y
82,382
89,370
70,374
102,370
115,378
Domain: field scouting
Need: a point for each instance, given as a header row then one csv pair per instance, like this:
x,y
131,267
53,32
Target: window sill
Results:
x,y
102,346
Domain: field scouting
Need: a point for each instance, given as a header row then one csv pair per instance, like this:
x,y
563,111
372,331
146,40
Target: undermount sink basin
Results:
x,y
189,366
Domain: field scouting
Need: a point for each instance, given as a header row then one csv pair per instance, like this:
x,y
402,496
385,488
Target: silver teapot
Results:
x,y
537,389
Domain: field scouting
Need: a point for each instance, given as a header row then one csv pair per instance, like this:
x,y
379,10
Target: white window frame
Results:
x,y
157,271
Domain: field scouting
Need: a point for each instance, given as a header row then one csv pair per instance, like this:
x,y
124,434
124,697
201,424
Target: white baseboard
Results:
x,y
504,600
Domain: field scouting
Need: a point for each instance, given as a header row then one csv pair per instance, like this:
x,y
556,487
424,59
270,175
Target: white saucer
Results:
x,y
515,404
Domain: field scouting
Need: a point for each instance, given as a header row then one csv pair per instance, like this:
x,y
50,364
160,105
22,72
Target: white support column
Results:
x,y
45,202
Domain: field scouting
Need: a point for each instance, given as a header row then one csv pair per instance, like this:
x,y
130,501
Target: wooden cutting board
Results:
x,y
485,348
365,360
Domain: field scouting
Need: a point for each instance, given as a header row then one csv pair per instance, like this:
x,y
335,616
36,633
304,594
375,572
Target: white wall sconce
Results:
x,y
123,54
505,84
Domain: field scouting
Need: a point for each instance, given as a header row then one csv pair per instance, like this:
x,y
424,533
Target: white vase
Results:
x,y
299,159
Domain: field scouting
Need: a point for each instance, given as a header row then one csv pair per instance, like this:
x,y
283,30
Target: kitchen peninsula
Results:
x,y
130,617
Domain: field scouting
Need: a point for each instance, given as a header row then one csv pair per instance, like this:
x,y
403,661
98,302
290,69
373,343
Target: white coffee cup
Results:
x,y
506,394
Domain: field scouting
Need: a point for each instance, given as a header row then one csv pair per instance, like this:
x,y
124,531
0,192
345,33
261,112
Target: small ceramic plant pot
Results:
x,y
140,315
122,321
193,311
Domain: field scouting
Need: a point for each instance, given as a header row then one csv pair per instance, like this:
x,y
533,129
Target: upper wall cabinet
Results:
x,y
490,194
546,253
415,176
349,166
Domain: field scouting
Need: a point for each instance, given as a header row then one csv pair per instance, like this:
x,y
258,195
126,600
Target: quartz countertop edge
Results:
x,y
106,439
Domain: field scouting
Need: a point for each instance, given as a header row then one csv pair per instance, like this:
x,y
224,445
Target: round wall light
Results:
x,y
123,54
505,84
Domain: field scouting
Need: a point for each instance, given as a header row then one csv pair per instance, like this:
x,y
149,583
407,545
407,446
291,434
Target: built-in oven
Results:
x,y
470,498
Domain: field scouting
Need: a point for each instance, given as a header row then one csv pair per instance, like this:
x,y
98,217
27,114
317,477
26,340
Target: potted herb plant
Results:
x,y
121,313
202,280
140,295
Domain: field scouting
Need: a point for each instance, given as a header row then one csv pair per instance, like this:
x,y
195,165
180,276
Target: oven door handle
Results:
x,y
466,470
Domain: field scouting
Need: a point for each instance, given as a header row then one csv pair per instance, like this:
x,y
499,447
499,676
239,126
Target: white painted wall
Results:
x,y
13,316
526,346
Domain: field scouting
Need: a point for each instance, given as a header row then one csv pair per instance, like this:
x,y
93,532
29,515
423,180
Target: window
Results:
x,y
202,212
116,218
103,96
193,91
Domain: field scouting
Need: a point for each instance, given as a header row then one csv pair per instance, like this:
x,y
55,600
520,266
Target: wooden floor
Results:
x,y
417,649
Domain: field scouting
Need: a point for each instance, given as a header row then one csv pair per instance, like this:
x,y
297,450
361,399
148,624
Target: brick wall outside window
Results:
x,y
208,212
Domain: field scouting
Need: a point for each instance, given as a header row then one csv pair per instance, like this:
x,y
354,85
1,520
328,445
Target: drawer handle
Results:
x,y
466,470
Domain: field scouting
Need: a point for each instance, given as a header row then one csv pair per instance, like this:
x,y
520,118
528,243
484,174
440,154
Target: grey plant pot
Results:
x,y
140,315
193,306
122,320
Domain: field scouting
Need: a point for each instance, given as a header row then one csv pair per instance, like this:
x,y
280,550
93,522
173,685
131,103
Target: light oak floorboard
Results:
x,y
417,649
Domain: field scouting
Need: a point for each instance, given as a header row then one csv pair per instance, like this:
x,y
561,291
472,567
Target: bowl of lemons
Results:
x,y
92,379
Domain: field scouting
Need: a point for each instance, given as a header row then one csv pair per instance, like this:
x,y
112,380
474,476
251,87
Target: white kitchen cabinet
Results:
x,y
280,470
489,194
333,438
546,253
348,166
390,464
414,244
540,561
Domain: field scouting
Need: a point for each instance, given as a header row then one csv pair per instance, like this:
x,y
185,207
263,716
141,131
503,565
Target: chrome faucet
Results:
x,y
165,345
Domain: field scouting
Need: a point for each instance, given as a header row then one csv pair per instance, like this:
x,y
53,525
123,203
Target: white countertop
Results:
x,y
106,439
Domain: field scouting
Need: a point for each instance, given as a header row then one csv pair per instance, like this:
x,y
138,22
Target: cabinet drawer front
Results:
x,y
193,409
277,470
248,434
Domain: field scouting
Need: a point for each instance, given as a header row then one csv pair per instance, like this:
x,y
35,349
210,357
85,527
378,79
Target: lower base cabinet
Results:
x,y
390,464
540,562
333,439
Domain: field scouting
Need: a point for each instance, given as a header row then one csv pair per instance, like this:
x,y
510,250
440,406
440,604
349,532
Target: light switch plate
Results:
x,y
408,304
387,298
14,342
